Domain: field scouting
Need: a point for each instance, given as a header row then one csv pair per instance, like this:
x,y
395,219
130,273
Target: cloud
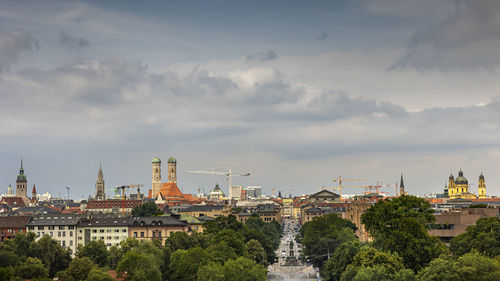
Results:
x,y
12,44
72,43
322,36
469,37
268,55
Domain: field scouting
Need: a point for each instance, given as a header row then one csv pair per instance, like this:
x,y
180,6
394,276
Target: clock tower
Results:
x,y
156,182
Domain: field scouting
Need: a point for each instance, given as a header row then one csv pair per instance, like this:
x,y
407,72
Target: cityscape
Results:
x,y
223,140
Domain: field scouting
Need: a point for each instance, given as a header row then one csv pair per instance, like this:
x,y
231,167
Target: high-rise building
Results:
x,y
156,181
21,183
100,193
172,170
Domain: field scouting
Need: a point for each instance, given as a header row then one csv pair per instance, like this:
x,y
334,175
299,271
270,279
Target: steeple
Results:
x,y
99,185
401,186
21,183
33,194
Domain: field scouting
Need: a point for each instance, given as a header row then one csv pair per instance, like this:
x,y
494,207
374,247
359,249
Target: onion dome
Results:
x,y
156,160
481,177
172,160
461,179
452,177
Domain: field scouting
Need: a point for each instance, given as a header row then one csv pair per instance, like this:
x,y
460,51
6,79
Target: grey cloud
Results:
x,y
70,42
322,36
469,37
12,43
268,55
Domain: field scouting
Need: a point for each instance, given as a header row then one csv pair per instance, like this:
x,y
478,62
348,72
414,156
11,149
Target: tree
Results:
x,y
148,209
115,254
377,273
95,251
98,274
78,269
398,225
232,238
32,268
244,269
184,241
483,237
221,223
323,235
211,271
136,266
256,252
371,257
338,262
51,253
469,267
184,264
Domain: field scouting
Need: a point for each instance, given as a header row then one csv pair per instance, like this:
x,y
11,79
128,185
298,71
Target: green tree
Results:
x,y
338,262
184,264
211,271
8,258
483,237
469,267
148,209
244,269
232,238
138,266
398,225
184,241
99,274
51,253
377,273
323,235
115,254
371,257
78,269
6,273
32,268
95,251
256,252
221,223
220,252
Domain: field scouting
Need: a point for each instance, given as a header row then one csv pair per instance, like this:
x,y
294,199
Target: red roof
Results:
x,y
170,189
13,201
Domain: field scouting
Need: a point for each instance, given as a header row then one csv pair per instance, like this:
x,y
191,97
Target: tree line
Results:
x,y
401,248
226,250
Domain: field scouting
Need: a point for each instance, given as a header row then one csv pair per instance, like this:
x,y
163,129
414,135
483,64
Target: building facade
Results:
x,y
11,225
109,230
156,228
60,227
156,181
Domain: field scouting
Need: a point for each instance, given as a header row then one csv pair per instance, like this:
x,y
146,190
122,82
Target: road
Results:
x,y
281,270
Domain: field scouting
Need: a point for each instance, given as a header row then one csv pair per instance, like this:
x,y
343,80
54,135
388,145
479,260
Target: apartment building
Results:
x,y
151,228
11,225
110,230
61,227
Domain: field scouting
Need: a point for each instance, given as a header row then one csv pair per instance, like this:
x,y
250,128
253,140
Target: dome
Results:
x,y
451,177
461,179
172,160
156,160
481,177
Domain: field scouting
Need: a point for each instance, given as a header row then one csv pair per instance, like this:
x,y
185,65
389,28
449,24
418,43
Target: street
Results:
x,y
289,266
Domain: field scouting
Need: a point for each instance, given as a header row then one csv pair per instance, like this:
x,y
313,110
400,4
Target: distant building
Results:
x,y
253,192
216,194
156,228
459,187
11,225
324,196
112,206
100,193
206,211
22,185
59,227
110,230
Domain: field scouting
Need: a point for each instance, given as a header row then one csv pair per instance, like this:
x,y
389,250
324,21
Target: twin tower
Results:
x,y
172,174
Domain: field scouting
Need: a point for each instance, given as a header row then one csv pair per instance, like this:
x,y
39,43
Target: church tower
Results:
x,y
172,170
156,182
21,183
481,194
100,193
451,187
33,194
401,187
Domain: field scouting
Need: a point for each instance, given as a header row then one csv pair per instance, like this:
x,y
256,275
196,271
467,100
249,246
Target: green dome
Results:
x,y
172,160
461,179
156,160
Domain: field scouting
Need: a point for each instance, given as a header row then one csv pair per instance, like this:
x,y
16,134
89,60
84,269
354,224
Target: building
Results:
x,y
216,194
287,208
402,187
100,193
356,208
110,230
269,214
112,206
212,211
459,187
481,192
172,170
156,181
253,192
236,191
454,222
324,196
11,225
22,185
60,227
156,228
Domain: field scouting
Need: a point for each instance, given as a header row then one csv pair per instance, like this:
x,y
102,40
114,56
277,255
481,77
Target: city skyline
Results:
x,y
295,93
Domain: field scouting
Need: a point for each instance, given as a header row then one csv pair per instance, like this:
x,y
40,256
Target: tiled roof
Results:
x,y
112,203
170,189
14,221
149,221
35,210
198,208
13,201
54,220
104,222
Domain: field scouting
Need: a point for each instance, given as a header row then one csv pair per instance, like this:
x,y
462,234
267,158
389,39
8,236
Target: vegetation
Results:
x,y
148,209
229,250
483,237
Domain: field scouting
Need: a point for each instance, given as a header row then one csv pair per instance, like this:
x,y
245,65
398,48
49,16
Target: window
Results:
x,y
61,227
51,234
135,234
159,234
109,237
80,238
71,234
102,237
117,230
142,234
124,230
64,233
109,244
64,244
154,234
94,230
59,234
51,227
38,234
81,231
31,227
94,238
71,227
70,243
101,230
117,237
40,228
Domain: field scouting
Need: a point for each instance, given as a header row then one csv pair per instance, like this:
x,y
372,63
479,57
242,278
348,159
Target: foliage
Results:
x,y
339,261
136,266
32,268
115,254
99,274
51,253
244,269
211,271
371,257
184,241
78,269
377,273
221,223
96,251
256,252
469,267
323,235
184,264
483,237
148,209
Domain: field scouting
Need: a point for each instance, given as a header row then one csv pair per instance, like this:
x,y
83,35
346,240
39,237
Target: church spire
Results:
x,y
100,194
401,186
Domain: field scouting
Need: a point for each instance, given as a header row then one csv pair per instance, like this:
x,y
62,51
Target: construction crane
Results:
x,y
228,172
376,188
340,180
123,187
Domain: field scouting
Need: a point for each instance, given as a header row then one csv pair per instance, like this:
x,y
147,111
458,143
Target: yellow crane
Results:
x,y
340,180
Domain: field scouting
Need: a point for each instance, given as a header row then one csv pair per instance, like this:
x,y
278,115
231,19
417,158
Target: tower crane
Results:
x,y
340,180
228,172
123,187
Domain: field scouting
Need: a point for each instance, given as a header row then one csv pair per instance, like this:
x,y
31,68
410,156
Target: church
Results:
x,y
459,187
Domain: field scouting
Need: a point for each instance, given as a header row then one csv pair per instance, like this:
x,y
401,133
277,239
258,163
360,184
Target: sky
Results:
x,y
296,93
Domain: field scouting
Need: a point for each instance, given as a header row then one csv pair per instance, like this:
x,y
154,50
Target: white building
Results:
x,y
61,227
110,230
